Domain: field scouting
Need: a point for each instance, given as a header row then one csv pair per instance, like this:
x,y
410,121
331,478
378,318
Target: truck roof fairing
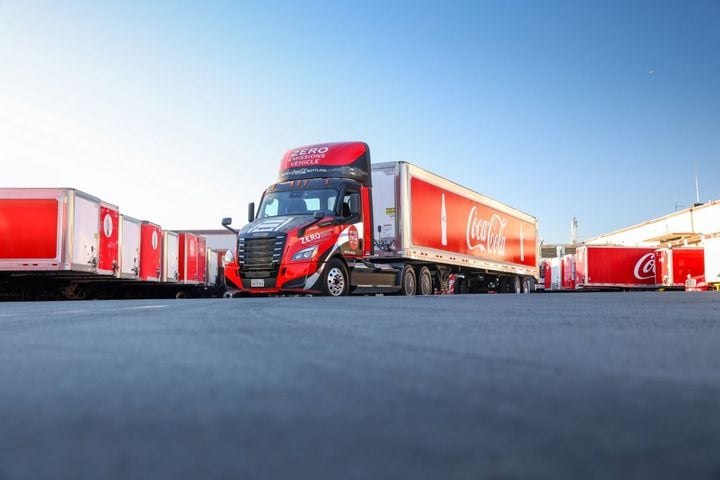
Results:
x,y
327,160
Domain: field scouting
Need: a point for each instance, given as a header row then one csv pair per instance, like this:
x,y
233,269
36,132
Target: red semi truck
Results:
x,y
334,224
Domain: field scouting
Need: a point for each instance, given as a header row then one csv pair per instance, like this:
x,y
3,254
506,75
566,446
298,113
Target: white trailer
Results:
x,y
420,216
129,247
712,261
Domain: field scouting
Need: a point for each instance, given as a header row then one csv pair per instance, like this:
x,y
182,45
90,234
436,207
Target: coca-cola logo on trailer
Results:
x,y
107,225
645,267
486,235
452,222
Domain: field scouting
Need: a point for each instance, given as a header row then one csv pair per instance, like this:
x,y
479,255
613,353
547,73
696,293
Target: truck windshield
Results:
x,y
298,202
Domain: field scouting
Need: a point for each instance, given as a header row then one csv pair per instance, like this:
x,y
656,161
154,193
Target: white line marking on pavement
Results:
x,y
145,307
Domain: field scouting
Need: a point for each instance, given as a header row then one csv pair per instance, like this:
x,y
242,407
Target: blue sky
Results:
x,y
179,112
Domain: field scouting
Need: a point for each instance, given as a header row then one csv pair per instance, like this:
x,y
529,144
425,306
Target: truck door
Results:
x,y
353,230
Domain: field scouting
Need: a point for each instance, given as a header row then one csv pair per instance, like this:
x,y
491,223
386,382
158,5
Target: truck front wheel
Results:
x,y
335,279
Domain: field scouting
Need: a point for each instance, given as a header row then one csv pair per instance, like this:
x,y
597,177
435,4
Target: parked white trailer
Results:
x,y
424,217
130,247
170,271
712,261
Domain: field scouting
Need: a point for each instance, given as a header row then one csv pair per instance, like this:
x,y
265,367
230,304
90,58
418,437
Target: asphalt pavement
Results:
x,y
578,386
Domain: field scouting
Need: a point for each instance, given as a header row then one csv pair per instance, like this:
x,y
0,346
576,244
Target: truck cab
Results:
x,y
312,229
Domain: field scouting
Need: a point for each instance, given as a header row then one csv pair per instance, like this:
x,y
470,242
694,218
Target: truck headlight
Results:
x,y
228,258
305,253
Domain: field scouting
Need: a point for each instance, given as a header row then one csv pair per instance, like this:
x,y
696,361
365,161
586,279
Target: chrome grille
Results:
x,y
260,255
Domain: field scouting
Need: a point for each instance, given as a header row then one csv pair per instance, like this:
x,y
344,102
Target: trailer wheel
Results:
x,y
180,294
526,288
461,286
408,285
335,279
425,281
517,285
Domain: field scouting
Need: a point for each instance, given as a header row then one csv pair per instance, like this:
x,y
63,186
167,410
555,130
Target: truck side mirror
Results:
x,y
319,215
226,223
251,211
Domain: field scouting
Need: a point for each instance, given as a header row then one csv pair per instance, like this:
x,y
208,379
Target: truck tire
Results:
x,y
424,281
516,285
461,286
336,281
408,283
526,285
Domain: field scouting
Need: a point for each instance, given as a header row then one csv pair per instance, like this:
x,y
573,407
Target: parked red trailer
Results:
x,y
64,243
56,229
614,267
678,267
150,252
201,259
546,267
108,249
188,258
568,272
